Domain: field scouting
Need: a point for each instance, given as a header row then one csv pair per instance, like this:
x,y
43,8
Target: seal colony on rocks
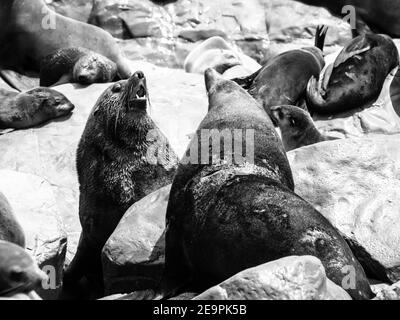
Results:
x,y
10,229
297,127
31,31
32,108
122,157
76,65
249,204
283,80
19,273
356,78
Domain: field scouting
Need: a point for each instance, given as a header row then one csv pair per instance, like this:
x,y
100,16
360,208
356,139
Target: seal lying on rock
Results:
x,y
249,203
10,229
122,157
297,127
32,108
31,31
76,65
356,78
19,273
283,80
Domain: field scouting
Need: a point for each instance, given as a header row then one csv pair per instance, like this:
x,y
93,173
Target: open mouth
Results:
x,y
139,99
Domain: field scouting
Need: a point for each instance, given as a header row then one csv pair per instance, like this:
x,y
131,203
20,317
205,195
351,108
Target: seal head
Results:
x,y
19,273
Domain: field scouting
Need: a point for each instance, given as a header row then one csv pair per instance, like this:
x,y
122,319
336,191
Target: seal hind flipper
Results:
x,y
7,80
247,82
320,36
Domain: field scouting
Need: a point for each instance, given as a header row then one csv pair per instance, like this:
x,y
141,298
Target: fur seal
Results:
x,y
10,229
297,127
76,65
116,169
31,31
356,78
283,80
19,273
377,16
32,108
251,205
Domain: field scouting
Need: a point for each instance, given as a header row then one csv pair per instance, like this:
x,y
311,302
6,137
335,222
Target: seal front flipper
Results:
x,y
357,46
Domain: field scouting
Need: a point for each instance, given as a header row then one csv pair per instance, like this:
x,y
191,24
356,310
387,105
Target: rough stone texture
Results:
x,y
75,9
386,292
35,208
290,278
180,23
133,257
355,184
49,151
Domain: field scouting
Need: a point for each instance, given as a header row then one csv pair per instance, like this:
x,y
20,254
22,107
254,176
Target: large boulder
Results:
x,y
290,278
355,184
35,207
75,9
133,257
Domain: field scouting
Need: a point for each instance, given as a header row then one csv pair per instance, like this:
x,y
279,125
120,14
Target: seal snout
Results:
x,y
138,94
276,115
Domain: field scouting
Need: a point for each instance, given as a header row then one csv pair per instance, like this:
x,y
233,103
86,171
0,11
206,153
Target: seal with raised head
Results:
x,y
356,78
76,65
250,204
19,273
297,127
283,80
31,31
377,16
10,229
32,108
122,157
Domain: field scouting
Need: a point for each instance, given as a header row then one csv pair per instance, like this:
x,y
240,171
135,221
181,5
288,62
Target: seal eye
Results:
x,y
292,122
16,275
117,88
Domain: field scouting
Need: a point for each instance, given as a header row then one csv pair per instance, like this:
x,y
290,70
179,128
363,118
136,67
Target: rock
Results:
x,y
75,9
290,278
241,21
355,184
133,257
35,207
386,292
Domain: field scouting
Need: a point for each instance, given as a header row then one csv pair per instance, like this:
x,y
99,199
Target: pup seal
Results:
x,y
32,108
19,273
76,65
116,168
10,229
251,205
297,127
283,80
27,37
356,78
379,16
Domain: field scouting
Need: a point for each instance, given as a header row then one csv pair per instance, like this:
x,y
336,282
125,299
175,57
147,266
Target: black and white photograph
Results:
x,y
199,154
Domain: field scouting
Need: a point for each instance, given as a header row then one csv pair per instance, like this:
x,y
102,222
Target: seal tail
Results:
x,y
320,37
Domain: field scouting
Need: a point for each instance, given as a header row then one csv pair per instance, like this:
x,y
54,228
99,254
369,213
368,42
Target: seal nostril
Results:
x,y
139,74
82,79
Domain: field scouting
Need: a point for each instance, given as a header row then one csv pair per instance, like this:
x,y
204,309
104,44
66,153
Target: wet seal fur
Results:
x,y
25,41
32,108
250,205
19,273
297,127
10,229
283,80
76,65
115,170
356,78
